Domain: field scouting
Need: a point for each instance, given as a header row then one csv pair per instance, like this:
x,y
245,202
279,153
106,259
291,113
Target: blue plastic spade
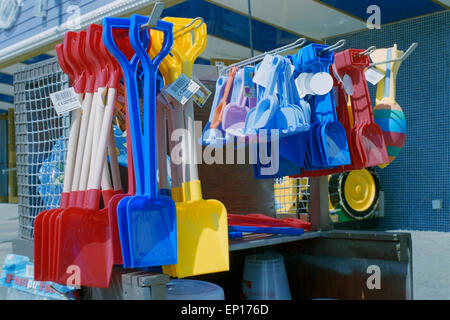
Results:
x,y
293,147
288,118
237,84
260,116
151,217
328,139
315,148
293,121
209,135
130,72
219,137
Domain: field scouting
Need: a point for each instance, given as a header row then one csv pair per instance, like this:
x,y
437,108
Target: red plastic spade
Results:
x,y
366,136
260,220
41,226
84,239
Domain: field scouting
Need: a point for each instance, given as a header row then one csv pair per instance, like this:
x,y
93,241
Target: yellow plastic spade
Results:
x,y
387,113
170,69
201,224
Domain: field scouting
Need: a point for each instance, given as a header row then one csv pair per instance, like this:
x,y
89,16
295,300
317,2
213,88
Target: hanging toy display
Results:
x,y
387,113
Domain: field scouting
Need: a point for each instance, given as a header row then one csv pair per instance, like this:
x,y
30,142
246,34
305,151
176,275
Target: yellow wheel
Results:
x,y
359,190
356,192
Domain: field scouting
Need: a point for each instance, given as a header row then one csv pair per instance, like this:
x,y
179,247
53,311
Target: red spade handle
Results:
x,y
131,179
351,63
93,50
63,63
86,62
70,39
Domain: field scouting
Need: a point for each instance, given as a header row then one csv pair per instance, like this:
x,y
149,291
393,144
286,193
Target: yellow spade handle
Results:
x,y
192,186
193,192
382,91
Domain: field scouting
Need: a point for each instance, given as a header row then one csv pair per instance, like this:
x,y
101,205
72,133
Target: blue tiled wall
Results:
x,y
421,172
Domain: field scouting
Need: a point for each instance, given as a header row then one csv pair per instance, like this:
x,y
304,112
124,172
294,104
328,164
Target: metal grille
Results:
x,y
292,196
39,130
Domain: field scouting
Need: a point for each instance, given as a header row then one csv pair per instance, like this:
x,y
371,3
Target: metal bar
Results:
x,y
12,177
250,32
298,43
403,57
157,10
8,170
256,241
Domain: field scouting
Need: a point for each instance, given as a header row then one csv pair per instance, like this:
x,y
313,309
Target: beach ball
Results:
x,y
392,122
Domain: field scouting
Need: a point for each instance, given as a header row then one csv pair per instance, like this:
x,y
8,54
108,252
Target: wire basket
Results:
x,y
292,197
41,141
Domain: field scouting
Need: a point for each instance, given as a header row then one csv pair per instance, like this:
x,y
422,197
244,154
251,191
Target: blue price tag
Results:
x,y
249,85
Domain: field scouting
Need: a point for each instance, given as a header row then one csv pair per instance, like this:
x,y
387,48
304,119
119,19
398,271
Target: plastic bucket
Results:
x,y
264,277
184,289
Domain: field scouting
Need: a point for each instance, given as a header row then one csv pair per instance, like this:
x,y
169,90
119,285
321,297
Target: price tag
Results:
x,y
183,89
65,101
321,83
249,86
202,94
374,76
348,84
264,71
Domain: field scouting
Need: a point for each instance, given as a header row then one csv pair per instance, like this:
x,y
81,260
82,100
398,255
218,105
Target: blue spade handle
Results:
x,y
129,68
150,68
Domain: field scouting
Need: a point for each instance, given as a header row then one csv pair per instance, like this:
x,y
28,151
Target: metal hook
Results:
x,y
154,16
368,51
405,55
335,46
187,26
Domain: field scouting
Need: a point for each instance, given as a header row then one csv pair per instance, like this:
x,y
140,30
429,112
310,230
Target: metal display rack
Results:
x,y
38,129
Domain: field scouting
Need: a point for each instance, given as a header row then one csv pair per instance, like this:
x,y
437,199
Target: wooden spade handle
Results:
x,y
85,171
99,155
87,106
71,148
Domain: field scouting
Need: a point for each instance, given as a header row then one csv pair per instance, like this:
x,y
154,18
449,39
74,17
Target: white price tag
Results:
x,y
374,76
183,89
264,71
299,86
348,84
65,101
